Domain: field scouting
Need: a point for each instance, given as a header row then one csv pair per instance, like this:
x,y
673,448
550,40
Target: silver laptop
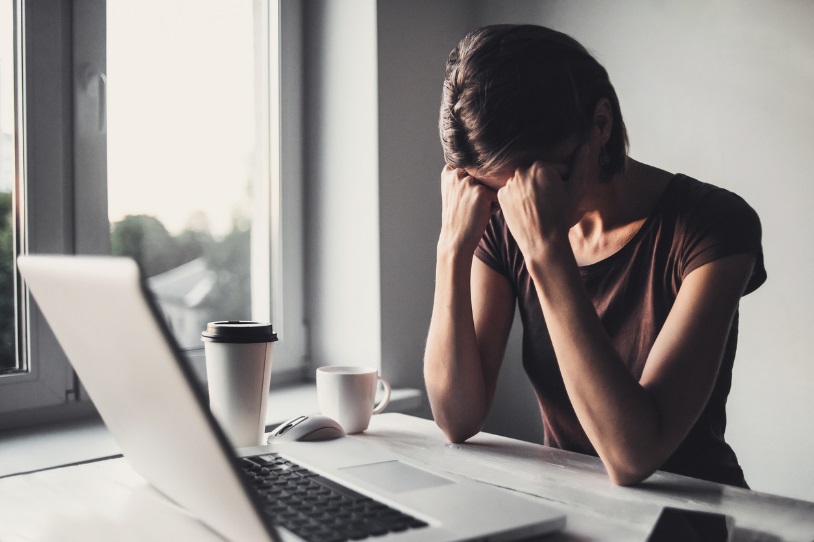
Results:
x,y
112,332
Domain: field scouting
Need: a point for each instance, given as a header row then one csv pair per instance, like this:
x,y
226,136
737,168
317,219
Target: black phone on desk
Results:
x,y
678,524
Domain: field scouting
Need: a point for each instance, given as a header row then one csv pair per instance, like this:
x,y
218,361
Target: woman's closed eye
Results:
x,y
483,184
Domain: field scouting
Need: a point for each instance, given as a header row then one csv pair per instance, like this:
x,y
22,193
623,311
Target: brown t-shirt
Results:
x,y
694,223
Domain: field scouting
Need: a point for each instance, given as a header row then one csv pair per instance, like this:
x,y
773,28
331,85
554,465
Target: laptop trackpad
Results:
x,y
395,476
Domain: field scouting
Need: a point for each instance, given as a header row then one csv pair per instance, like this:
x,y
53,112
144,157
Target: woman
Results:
x,y
627,277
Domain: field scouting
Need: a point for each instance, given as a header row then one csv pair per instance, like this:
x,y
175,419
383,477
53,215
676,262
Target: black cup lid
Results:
x,y
238,331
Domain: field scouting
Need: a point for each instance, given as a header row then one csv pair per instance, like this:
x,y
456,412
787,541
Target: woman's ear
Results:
x,y
603,118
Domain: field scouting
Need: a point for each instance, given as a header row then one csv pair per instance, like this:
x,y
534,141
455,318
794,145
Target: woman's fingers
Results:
x,y
466,208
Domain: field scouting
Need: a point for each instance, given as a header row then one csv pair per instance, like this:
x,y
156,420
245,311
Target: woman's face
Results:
x,y
560,158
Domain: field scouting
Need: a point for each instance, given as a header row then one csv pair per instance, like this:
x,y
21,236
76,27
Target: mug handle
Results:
x,y
386,399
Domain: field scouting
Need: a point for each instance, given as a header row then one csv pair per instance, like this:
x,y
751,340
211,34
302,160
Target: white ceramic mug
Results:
x,y
348,395
238,372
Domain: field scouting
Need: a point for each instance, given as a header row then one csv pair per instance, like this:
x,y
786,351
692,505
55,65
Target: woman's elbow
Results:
x,y
628,474
457,422
627,478
457,428
459,437
457,433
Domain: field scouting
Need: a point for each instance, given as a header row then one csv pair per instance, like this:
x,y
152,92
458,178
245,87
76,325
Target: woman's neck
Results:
x,y
617,210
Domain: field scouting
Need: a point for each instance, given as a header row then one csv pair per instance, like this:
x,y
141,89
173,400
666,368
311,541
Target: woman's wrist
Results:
x,y
553,250
542,244
452,250
454,257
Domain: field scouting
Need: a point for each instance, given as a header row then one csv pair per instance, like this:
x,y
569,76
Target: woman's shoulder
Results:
x,y
690,199
713,222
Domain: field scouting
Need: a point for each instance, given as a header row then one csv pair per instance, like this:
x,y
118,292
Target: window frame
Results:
x,y
43,165
287,311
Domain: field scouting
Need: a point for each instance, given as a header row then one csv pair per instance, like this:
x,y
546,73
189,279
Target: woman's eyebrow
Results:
x,y
484,184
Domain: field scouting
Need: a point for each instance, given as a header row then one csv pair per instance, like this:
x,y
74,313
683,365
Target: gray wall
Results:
x,y
719,90
342,189
414,39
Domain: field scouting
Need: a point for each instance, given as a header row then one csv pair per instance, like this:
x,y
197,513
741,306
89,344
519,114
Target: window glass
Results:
x,y
183,158
8,354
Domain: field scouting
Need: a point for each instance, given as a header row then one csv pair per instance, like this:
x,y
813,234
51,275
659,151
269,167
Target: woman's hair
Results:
x,y
511,91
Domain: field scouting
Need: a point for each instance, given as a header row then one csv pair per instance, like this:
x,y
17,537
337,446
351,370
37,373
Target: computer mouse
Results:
x,y
307,428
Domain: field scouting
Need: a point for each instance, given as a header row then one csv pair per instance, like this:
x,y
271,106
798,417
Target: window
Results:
x,y
157,138
8,352
37,169
185,160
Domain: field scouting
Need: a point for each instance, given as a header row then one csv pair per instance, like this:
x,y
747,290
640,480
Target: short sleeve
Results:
x,y
491,248
722,224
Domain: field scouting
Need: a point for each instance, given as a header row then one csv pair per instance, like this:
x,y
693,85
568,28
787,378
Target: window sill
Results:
x,y
48,446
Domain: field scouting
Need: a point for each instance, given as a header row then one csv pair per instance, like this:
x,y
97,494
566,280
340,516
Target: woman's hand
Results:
x,y
466,207
543,201
539,204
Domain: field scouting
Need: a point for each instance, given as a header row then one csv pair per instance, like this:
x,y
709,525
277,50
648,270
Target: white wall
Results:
x,y
414,39
718,90
340,162
372,161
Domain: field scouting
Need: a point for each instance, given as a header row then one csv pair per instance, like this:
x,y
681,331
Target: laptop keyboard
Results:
x,y
318,509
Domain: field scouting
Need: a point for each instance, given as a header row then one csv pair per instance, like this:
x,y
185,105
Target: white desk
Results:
x,y
107,500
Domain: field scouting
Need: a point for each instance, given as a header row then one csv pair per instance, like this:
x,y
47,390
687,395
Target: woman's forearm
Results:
x,y
635,424
619,416
452,367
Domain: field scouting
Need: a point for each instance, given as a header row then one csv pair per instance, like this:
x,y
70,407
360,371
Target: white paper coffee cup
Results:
x,y
238,371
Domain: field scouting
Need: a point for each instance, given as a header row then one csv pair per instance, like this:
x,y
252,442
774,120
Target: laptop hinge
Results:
x,y
72,394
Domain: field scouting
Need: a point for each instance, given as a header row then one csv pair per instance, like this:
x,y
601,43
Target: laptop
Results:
x,y
108,324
